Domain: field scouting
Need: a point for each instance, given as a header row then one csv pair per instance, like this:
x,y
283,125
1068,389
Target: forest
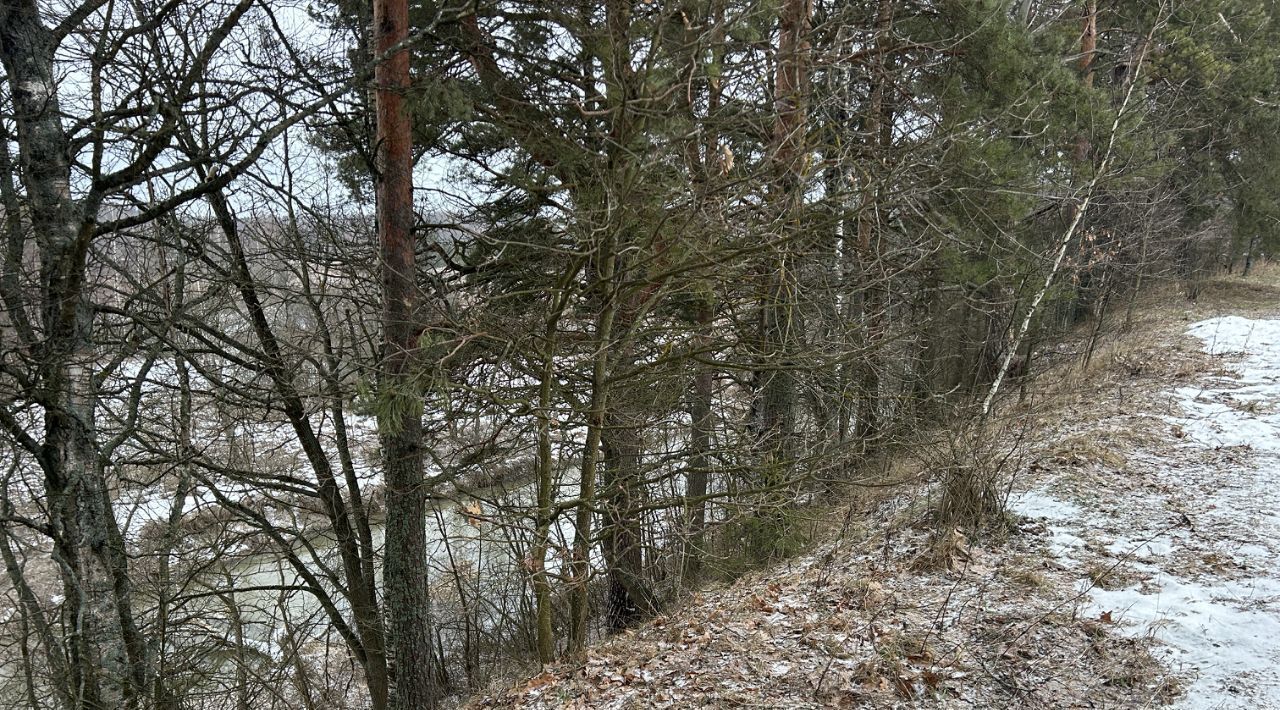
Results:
x,y
368,353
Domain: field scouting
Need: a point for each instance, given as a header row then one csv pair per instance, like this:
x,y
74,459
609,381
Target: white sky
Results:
x,y
314,175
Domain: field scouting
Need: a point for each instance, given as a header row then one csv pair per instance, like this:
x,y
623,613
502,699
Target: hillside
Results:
x,y
1140,568
402,354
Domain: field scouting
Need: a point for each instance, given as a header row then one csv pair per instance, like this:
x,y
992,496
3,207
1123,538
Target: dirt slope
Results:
x,y
1139,571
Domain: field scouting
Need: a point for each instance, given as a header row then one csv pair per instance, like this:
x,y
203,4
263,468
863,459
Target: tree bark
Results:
x,y
400,419
879,135
1088,48
629,598
89,549
580,601
780,326
779,329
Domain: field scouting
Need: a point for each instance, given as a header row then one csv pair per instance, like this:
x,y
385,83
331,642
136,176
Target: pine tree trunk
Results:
x,y
622,537
1088,48
408,606
779,327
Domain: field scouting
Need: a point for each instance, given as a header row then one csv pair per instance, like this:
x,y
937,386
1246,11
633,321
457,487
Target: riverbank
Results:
x,y
1138,570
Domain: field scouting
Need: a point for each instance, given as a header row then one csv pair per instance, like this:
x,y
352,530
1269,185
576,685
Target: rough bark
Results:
x,y
621,433
88,546
400,423
1088,49
778,328
628,597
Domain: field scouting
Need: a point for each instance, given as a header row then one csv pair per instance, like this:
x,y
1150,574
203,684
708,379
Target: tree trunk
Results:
x,y
1088,47
621,433
779,326
546,642
544,516
778,329
400,419
700,438
163,695
89,549
360,586
622,537
1248,255
580,601
878,127
704,161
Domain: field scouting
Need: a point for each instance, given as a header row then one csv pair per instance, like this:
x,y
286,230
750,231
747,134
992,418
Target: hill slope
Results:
x,y
1140,569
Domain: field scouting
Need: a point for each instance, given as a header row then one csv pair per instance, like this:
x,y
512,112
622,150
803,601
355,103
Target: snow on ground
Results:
x,y
1205,586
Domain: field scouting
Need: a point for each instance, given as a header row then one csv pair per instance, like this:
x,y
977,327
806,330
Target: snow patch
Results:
x,y
1217,612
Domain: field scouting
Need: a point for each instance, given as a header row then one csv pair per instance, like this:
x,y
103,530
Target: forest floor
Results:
x,y
1140,568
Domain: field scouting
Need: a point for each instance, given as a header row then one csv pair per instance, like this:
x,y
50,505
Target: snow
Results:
x,y
1226,633
1233,411
1259,339
1208,593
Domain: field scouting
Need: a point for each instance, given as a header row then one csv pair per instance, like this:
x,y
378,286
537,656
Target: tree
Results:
x,y
675,271
58,367
408,604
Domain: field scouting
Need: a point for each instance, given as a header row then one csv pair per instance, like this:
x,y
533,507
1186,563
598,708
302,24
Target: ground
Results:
x,y
1137,569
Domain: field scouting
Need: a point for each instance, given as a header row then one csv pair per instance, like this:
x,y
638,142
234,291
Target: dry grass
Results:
x,y
1031,578
1260,289
1110,576
973,466
1089,449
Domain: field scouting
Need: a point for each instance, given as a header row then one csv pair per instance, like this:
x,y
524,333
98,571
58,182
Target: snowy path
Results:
x,y
1186,542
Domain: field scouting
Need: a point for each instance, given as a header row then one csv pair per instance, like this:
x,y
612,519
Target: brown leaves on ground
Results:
x,y
858,625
